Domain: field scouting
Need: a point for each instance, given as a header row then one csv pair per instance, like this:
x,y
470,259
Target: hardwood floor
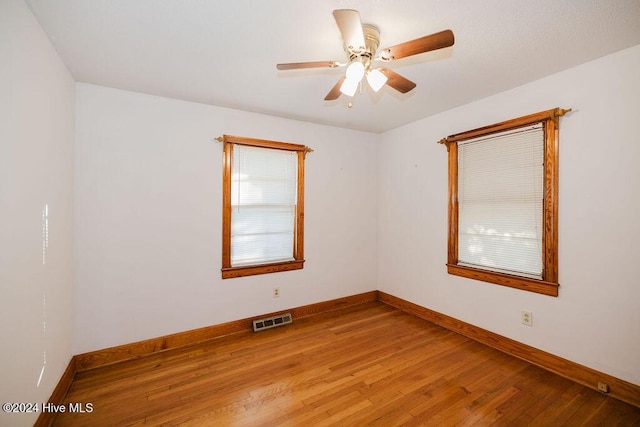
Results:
x,y
366,365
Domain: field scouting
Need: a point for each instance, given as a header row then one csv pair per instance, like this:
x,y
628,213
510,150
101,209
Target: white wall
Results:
x,y
36,168
148,216
148,207
595,320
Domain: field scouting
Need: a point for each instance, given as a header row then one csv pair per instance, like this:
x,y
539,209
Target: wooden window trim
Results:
x,y
298,245
548,285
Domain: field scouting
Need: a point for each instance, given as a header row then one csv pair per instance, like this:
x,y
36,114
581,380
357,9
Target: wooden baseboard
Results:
x,y
588,377
120,353
45,419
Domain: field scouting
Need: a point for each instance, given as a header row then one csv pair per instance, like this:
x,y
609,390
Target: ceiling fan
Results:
x,y
361,43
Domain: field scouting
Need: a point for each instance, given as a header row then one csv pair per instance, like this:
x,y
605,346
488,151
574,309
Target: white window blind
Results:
x,y
263,205
500,201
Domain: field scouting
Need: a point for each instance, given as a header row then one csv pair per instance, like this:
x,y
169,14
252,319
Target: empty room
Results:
x,y
319,213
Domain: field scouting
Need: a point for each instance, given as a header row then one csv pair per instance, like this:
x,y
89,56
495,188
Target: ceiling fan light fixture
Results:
x,y
349,87
376,79
360,43
355,71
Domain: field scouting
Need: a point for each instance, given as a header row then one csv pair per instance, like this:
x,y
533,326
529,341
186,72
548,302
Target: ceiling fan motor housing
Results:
x,y
372,42
361,43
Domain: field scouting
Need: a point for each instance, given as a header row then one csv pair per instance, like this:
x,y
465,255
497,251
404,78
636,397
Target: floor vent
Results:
x,y
271,322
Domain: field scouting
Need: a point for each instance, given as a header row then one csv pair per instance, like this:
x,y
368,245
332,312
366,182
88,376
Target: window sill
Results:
x,y
251,270
524,283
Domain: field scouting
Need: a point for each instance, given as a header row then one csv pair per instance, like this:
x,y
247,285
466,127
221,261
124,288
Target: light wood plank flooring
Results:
x,y
366,365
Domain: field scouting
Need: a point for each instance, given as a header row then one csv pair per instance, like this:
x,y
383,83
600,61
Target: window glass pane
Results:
x,y
263,205
500,201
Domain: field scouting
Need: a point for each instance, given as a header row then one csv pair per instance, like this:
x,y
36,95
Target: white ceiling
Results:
x,y
224,52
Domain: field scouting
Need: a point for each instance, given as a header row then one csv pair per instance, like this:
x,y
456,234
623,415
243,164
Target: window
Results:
x,y
262,206
503,203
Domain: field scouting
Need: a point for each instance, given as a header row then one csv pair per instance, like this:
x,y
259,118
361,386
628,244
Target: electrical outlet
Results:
x,y
603,387
527,318
276,292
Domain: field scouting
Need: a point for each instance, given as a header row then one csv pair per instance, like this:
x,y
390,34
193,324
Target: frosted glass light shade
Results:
x,y
355,71
376,79
349,86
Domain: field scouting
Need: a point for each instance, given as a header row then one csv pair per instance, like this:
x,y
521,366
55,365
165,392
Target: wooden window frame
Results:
x,y
297,263
548,285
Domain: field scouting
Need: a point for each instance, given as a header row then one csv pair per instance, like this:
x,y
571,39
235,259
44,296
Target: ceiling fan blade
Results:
x,y
350,26
300,65
334,93
423,44
396,81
